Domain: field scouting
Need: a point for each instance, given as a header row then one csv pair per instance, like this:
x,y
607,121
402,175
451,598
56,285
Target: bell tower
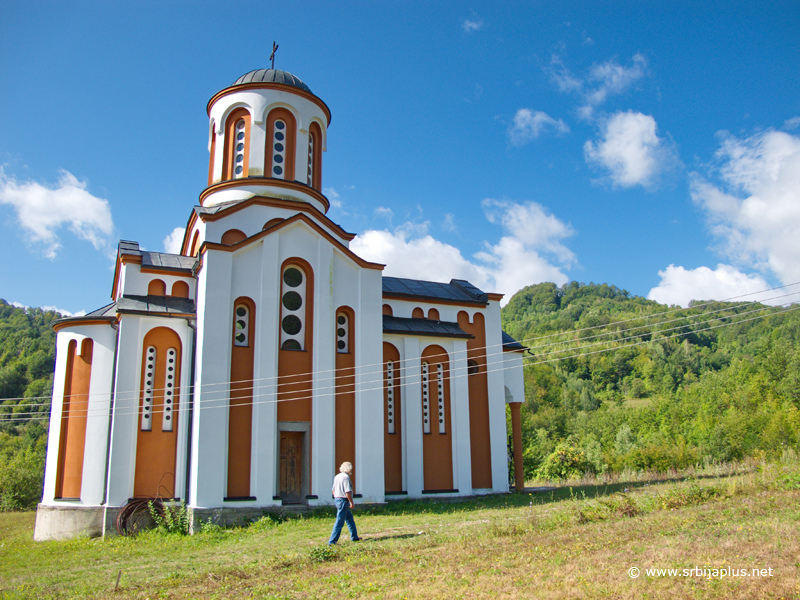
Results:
x,y
267,133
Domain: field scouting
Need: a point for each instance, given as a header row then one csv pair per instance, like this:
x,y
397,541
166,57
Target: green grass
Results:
x,y
573,542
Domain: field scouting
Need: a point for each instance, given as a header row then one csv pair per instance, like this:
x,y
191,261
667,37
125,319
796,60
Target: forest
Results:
x,y
613,382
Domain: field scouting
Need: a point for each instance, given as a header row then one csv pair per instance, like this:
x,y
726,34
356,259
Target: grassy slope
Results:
x,y
576,542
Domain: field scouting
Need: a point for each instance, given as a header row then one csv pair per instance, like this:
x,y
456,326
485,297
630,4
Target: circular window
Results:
x,y
241,311
340,345
291,325
239,170
277,170
292,277
291,345
279,124
340,332
240,337
472,367
240,147
240,136
292,300
340,320
278,158
279,147
240,324
278,135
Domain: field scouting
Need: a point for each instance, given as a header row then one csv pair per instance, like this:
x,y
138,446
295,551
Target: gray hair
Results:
x,y
346,467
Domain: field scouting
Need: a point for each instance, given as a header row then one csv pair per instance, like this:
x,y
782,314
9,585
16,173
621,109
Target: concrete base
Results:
x,y
65,522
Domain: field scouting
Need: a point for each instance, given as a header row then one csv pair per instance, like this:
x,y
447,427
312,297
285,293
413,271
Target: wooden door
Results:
x,y
291,467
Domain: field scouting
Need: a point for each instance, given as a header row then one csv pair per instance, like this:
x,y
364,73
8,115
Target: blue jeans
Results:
x,y
343,515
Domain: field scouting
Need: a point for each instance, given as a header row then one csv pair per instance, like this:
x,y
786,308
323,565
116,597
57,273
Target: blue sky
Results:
x,y
653,146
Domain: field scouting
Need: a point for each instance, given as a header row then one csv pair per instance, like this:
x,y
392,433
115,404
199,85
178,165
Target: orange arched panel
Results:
x,y
315,134
290,143
437,447
392,442
433,314
72,442
233,236
387,310
240,415
180,289
156,448
195,248
479,435
346,397
231,144
417,313
156,287
272,222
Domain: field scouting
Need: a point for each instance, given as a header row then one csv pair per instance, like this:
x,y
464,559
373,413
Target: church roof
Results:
x,y
458,290
158,306
274,76
510,343
405,326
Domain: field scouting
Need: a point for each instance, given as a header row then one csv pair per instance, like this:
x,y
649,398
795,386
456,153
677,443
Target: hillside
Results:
x,y
618,381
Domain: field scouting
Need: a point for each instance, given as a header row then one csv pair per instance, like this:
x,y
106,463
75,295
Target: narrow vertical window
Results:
x,y
310,179
279,149
169,390
293,309
238,169
390,391
342,333
440,391
242,324
426,399
149,380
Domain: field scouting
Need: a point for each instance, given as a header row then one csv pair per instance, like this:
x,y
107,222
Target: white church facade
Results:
x,y
238,374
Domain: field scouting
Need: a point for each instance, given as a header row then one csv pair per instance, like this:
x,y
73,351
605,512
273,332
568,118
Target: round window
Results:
x,y
472,367
241,311
279,125
278,135
292,277
277,170
279,147
340,319
340,345
292,300
291,325
291,345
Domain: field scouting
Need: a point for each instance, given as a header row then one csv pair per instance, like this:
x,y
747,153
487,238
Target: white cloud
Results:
x,y
792,123
333,197
528,124
61,311
449,223
603,80
680,286
524,255
383,212
42,211
470,25
754,207
630,150
174,241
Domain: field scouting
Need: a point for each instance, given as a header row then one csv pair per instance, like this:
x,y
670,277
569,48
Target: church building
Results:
x,y
237,375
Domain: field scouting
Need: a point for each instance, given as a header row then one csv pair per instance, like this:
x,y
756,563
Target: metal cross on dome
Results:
x,y
272,56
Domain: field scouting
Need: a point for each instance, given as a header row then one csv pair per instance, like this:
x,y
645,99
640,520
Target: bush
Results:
x,y
21,479
564,463
170,518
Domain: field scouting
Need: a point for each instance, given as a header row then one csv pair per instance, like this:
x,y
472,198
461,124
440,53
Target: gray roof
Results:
x,y
272,75
107,312
173,262
510,343
161,260
155,305
458,290
403,325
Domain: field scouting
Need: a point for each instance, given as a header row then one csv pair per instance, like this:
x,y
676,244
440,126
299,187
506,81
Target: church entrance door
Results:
x,y
291,467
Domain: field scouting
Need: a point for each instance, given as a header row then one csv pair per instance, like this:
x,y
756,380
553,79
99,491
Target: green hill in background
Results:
x,y
618,381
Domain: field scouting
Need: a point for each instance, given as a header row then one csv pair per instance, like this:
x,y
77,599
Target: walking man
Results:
x,y
343,497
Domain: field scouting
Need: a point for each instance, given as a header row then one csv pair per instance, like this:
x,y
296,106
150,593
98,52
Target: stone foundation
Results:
x,y
65,522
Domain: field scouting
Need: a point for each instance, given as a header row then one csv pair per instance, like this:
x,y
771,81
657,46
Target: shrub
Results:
x,y
170,518
21,479
565,462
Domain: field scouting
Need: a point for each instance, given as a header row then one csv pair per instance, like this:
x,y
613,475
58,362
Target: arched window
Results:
x,y
237,145
213,152
157,288
280,150
293,308
272,222
433,314
387,310
233,236
417,313
315,156
195,245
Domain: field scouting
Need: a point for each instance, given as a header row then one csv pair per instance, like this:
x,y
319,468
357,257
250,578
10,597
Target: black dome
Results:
x,y
272,75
